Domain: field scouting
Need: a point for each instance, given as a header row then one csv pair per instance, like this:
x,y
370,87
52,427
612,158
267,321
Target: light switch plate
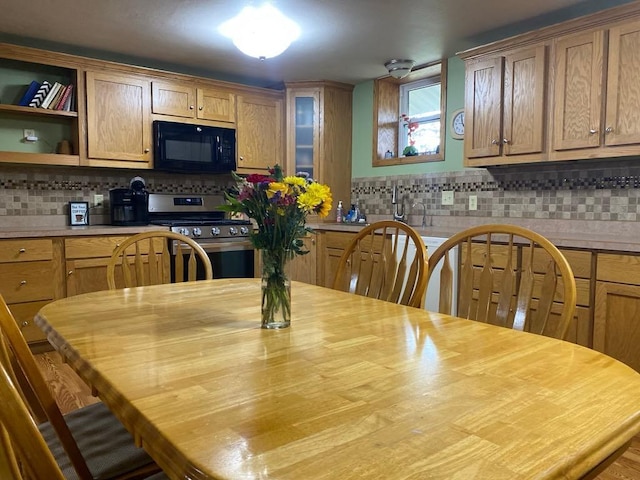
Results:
x,y
473,202
447,197
98,198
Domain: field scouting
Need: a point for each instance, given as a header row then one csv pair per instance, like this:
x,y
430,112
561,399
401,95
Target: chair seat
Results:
x,y
107,446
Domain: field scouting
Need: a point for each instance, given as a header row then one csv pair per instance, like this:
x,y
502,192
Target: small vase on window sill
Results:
x,y
410,151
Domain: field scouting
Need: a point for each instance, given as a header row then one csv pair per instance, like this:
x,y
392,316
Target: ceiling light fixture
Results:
x,y
261,32
399,68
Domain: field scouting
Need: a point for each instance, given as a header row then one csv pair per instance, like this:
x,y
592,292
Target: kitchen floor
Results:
x,y
71,393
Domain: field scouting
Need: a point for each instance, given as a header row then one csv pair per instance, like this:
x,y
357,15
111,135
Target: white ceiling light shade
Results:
x,y
261,32
399,68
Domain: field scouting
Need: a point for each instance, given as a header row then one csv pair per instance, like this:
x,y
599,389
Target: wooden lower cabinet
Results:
x,y
616,328
86,262
303,267
31,278
331,246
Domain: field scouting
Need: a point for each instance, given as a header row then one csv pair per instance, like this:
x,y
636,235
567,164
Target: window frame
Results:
x,y
386,113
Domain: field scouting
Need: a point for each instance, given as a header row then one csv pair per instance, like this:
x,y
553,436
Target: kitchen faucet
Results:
x,y
424,213
398,213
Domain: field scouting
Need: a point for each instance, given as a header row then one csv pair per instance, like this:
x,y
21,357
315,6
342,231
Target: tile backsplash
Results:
x,y
46,192
603,190
607,190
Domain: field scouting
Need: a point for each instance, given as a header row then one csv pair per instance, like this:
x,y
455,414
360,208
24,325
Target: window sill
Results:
x,y
386,162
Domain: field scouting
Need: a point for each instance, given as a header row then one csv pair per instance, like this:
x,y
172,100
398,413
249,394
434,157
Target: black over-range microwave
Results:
x,y
185,148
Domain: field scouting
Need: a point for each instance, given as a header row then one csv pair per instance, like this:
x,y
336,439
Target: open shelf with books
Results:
x,y
29,101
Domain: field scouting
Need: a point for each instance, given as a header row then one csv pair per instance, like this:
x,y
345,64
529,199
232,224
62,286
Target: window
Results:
x,y
409,112
419,132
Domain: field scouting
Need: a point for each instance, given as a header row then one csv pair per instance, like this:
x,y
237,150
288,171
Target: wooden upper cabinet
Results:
x,y
622,125
259,131
588,79
578,91
505,106
118,118
483,108
182,100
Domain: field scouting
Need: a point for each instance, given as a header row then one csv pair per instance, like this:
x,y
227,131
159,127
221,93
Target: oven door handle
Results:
x,y
212,247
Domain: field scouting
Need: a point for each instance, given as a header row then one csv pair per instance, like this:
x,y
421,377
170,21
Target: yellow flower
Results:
x,y
278,187
297,181
316,198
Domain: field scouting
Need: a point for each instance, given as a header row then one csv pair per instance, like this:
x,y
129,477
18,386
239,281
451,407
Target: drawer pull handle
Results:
x,y
22,250
25,324
70,272
23,282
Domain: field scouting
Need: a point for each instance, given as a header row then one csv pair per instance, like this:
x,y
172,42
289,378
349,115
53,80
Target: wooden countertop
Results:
x,y
355,388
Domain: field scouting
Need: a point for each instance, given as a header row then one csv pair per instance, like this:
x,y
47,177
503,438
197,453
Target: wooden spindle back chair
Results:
x,y
385,260
508,276
145,259
23,451
72,438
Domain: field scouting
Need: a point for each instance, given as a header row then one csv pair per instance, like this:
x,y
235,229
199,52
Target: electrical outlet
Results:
x,y
98,198
29,135
447,197
473,202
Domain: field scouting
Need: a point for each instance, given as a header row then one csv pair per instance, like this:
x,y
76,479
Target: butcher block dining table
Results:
x,y
355,388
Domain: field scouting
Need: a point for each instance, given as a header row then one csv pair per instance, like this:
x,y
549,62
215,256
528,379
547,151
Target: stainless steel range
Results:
x,y
226,241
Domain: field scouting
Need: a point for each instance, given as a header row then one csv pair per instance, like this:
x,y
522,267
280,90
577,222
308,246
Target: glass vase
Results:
x,y
276,289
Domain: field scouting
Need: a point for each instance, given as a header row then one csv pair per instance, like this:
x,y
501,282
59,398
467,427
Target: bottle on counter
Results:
x,y
339,212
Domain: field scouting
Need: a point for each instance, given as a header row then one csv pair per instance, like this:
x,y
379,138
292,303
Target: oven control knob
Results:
x,y
244,230
184,231
215,231
197,232
233,231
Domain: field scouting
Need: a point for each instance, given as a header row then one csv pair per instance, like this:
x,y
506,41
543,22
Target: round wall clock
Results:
x,y
457,124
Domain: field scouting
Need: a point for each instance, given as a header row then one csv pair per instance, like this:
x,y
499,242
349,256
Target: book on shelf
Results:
x,y
64,96
32,89
51,95
40,95
57,97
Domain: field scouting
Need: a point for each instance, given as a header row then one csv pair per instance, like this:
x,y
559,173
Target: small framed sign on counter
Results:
x,y
78,213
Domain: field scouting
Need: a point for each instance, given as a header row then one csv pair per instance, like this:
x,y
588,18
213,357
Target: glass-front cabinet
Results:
x,y
305,132
319,134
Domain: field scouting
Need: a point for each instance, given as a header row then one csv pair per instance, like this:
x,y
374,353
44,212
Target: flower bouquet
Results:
x,y
279,205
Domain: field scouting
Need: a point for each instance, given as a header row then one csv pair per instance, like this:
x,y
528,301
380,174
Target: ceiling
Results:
x,y
341,40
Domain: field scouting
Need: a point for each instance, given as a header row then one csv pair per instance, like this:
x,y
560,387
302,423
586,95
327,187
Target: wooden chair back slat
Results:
x,y
486,285
523,302
466,281
148,255
445,300
503,316
23,449
385,260
29,369
504,288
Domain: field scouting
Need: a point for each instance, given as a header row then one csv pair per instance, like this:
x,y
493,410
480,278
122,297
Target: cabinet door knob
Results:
x,y
494,142
70,272
242,159
505,141
200,108
593,132
25,324
609,130
22,250
146,150
23,282
190,107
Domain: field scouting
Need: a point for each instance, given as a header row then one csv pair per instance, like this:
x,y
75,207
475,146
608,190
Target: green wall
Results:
x,y
362,150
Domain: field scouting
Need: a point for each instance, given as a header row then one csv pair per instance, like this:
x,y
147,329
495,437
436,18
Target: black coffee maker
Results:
x,y
130,206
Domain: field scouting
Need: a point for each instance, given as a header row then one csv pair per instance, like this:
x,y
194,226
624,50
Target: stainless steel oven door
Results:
x,y
230,259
